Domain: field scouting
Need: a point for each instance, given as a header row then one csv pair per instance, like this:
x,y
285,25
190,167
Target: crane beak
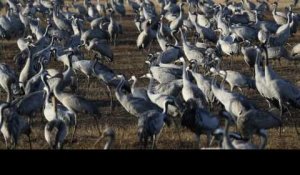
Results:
x,y
143,76
101,138
177,62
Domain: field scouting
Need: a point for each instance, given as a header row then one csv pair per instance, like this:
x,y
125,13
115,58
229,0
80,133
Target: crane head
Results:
x,y
222,72
109,132
213,70
132,78
227,116
148,75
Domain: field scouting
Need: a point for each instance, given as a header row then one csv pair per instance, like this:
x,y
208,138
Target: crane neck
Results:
x,y
266,54
274,10
57,92
161,31
149,90
223,81
2,113
120,85
166,104
289,17
70,65
180,13
183,38
256,18
175,38
47,29
28,61
94,66
54,102
133,84
257,69
9,95
184,73
47,90
42,68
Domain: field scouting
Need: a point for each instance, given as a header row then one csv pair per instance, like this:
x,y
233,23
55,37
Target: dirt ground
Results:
x,y
128,60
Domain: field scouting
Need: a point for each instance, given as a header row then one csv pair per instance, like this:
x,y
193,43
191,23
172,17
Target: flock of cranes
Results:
x,y
183,75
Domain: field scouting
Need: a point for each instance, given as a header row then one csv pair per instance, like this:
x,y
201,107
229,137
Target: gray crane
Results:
x,y
8,81
165,74
189,89
227,143
100,48
159,99
249,53
135,106
114,29
12,125
52,110
138,92
279,17
235,104
280,90
295,51
76,104
118,7
172,88
145,37
254,120
61,23
236,79
29,104
108,77
90,34
198,120
150,124
35,83
192,52
27,71
204,84
177,23
60,135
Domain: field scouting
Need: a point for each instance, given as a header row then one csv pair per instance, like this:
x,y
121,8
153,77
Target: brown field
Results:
x,y
128,60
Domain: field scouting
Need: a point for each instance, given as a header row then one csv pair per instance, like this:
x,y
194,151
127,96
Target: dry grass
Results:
x,y
130,61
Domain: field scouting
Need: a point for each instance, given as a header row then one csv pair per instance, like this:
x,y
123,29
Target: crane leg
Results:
x,y
241,90
88,77
6,144
141,142
268,103
158,135
111,98
97,125
145,142
14,145
154,142
177,129
150,46
197,141
29,140
211,141
73,134
280,131
115,37
208,137
295,123
281,109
